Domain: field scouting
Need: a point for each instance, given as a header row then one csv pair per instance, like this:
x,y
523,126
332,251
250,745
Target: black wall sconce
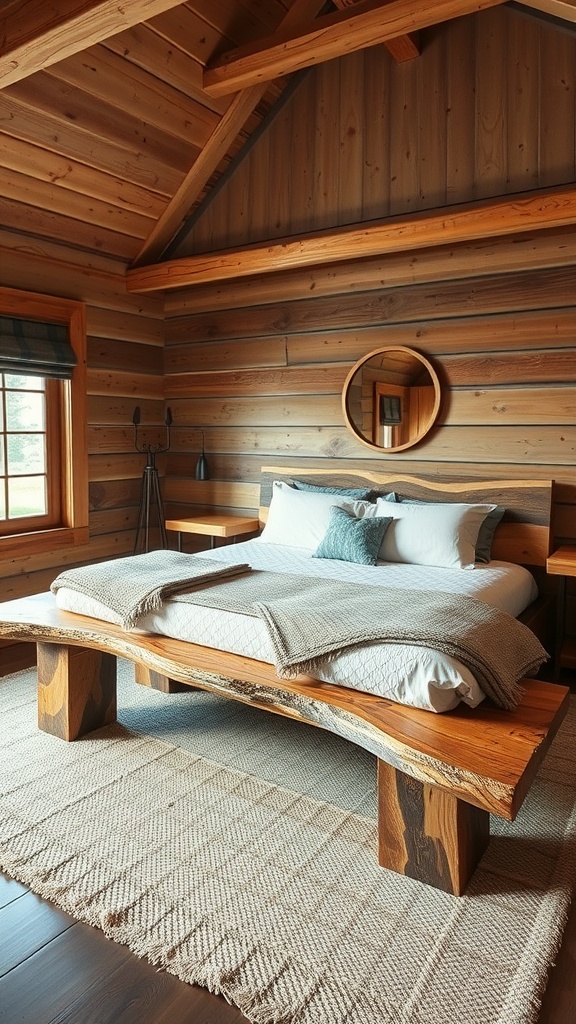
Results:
x,y
202,467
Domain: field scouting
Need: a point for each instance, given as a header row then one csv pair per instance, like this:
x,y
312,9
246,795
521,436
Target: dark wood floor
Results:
x,y
54,970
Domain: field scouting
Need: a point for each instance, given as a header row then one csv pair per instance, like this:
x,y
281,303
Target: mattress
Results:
x,y
415,676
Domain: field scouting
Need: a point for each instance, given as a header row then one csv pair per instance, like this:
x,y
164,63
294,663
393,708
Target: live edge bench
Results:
x,y
439,776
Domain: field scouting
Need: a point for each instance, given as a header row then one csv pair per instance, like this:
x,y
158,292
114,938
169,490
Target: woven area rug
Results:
x,y
237,850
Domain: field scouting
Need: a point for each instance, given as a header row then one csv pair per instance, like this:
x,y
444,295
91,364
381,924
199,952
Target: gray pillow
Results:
x,y
358,493
486,534
351,539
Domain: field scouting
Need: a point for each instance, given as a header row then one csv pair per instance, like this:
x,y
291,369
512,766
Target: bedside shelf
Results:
x,y
213,525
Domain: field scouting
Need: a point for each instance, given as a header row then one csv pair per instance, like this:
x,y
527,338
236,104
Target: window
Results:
x,y
43,458
29,453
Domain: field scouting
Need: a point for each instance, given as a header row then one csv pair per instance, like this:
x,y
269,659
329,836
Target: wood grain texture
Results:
x,y
60,33
76,690
443,263
487,219
486,757
526,501
145,676
426,833
332,35
563,561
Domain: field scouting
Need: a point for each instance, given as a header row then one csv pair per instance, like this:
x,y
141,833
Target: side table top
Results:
x,y
562,562
215,525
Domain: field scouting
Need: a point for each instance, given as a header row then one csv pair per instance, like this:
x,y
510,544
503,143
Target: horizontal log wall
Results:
x,y
488,109
263,380
125,351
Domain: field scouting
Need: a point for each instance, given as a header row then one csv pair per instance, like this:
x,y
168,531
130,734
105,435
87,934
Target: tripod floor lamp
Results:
x,y
151,495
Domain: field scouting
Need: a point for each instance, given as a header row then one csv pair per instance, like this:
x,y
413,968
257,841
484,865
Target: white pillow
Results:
x,y
436,534
299,519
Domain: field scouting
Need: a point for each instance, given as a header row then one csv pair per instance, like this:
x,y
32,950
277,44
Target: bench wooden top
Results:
x,y
487,757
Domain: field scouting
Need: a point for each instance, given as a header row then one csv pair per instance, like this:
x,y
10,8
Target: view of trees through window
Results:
x,y
23,448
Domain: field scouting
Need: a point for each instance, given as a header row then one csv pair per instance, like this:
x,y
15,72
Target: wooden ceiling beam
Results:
x,y
364,24
526,211
404,48
35,36
565,10
214,151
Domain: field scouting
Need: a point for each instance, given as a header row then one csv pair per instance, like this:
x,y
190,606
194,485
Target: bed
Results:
x,y
440,775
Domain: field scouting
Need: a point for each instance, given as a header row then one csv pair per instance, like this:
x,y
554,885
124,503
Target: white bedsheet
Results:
x,y
416,676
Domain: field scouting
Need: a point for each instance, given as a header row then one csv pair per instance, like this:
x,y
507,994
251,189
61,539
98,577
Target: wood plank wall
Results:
x,y
486,110
260,367
125,348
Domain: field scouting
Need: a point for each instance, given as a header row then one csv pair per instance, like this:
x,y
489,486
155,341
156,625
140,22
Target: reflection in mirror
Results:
x,y
391,398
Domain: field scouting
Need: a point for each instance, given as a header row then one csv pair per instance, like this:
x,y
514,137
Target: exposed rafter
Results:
x,y
401,49
364,24
34,35
565,10
215,149
527,211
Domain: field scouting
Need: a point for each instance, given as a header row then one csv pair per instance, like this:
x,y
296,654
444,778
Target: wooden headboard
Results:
x,y
523,535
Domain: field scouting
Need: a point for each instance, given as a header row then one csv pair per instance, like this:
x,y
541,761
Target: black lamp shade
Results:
x,y
202,468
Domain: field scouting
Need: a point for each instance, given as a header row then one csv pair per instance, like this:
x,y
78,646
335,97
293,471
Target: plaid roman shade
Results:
x,y
36,349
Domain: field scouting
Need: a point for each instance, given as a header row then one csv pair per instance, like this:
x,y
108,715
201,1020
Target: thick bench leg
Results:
x,y
425,832
157,681
76,690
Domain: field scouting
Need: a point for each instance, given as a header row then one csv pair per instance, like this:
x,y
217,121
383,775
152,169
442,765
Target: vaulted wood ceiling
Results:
x,y
116,120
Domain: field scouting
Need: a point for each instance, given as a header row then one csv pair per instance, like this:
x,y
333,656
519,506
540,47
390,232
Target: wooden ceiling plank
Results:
x,y
37,224
23,188
565,10
525,211
38,35
111,78
70,175
168,156
234,119
364,24
151,52
404,48
40,127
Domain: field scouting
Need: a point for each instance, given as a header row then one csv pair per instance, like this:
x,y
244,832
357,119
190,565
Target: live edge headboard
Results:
x,y
523,535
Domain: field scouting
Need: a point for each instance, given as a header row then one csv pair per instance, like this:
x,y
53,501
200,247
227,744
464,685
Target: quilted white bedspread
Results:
x,y
416,676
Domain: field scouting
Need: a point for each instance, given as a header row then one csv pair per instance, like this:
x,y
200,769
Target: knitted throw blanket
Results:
x,y
138,584
310,621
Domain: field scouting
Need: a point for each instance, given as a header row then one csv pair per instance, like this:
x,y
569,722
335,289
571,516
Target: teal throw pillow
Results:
x,y
351,539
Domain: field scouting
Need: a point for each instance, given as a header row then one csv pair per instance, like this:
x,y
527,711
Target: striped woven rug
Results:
x,y
237,850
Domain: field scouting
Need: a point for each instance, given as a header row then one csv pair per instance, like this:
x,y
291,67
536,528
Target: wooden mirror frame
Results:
x,y
422,429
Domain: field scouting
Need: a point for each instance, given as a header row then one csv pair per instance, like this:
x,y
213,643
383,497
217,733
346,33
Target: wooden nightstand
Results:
x,y
213,526
563,563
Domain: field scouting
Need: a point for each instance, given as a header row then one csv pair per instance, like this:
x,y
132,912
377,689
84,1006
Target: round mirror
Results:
x,y
391,398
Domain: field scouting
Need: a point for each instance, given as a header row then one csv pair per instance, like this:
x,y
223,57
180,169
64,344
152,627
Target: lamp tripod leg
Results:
x,y
161,521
